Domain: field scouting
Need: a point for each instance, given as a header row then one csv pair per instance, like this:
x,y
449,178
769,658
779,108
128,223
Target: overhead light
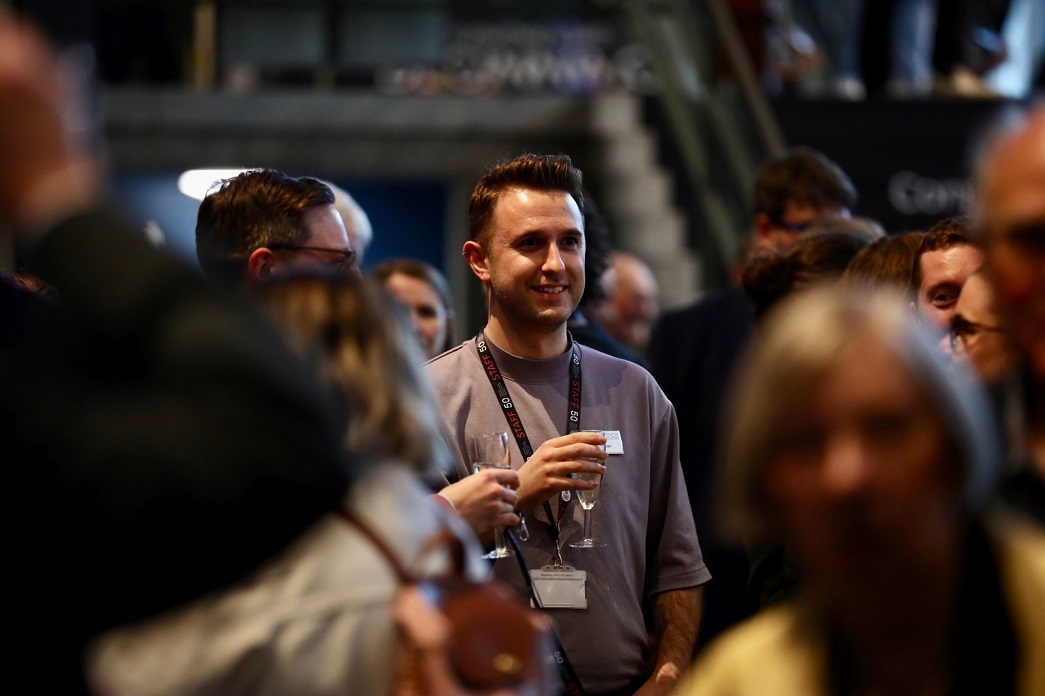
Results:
x,y
196,183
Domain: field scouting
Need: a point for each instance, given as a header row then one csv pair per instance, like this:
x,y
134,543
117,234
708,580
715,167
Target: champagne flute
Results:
x,y
587,499
490,451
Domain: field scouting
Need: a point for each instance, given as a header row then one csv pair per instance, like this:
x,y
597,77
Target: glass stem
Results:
x,y
498,540
587,524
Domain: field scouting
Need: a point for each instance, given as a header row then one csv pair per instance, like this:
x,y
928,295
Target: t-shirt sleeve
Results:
x,y
675,560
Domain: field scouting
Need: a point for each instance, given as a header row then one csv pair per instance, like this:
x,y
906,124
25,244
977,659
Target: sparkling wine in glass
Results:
x,y
490,451
587,499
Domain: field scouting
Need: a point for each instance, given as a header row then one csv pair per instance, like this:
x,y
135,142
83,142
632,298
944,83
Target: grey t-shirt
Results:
x,y
643,512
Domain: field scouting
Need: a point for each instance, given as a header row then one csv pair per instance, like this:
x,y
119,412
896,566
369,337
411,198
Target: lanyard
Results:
x,y
573,416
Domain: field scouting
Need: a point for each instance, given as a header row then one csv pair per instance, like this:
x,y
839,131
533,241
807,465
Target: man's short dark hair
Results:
x,y
530,171
949,232
804,176
258,208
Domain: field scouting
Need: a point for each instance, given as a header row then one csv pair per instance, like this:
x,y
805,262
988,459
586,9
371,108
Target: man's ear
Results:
x,y
476,257
260,264
763,227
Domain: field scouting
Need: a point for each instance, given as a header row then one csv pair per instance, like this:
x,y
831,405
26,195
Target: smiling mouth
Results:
x,y
550,289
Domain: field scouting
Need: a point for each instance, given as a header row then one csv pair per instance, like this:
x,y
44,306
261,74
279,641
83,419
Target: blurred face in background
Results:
x,y
798,216
632,306
861,484
428,315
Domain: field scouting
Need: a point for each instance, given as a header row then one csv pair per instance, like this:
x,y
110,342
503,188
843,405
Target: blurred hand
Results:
x,y
486,500
545,473
423,663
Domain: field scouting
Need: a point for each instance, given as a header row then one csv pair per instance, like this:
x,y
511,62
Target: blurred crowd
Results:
x,y
825,478
908,49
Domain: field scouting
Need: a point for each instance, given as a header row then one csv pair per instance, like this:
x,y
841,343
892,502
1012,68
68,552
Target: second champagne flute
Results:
x,y
490,451
587,499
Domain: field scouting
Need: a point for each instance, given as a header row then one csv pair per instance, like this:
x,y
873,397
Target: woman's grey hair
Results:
x,y
798,343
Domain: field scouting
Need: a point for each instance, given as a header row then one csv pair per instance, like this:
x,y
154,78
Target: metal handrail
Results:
x,y
697,113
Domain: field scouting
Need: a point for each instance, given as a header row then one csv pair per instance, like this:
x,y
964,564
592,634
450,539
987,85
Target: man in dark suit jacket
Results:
x,y
694,349
159,441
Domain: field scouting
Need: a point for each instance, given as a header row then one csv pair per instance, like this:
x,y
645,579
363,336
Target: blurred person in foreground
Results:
x,y
423,291
318,618
856,446
160,441
815,258
1009,220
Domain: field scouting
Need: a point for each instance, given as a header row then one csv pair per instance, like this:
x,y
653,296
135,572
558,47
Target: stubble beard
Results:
x,y
521,313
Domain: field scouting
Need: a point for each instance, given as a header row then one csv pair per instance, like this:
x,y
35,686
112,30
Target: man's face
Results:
x,y
634,302
534,258
1012,215
976,335
327,242
798,216
944,272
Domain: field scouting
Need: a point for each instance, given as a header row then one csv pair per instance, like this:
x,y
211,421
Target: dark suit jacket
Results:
x,y
159,442
693,352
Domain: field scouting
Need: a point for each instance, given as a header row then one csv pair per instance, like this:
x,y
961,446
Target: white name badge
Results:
x,y
560,587
614,443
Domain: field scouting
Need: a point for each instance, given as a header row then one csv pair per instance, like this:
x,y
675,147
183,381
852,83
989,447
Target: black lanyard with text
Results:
x,y
573,416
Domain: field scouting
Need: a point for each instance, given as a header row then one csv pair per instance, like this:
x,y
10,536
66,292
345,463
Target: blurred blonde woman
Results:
x,y
855,446
319,618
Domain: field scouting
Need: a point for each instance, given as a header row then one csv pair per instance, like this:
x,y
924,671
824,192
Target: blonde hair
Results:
x,y
799,342
362,348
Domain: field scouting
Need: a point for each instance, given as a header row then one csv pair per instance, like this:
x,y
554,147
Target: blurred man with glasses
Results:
x,y
977,336
264,222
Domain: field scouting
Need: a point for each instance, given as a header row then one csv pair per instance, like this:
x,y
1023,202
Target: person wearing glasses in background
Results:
x,y
977,336
264,223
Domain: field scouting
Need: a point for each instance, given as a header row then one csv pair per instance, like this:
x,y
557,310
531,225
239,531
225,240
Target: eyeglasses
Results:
x,y
962,329
796,227
345,263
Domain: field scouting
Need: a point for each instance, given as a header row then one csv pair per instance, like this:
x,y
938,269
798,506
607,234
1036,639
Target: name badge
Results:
x,y
614,443
560,588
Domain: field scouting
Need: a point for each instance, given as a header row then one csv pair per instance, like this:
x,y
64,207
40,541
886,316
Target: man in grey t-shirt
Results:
x,y
627,613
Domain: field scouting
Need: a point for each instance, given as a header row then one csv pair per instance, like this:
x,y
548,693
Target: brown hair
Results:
x,y
947,233
529,171
804,176
886,262
771,276
257,208
415,268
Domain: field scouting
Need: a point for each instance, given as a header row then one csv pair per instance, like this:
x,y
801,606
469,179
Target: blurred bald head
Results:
x,y
1009,218
632,305
357,224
